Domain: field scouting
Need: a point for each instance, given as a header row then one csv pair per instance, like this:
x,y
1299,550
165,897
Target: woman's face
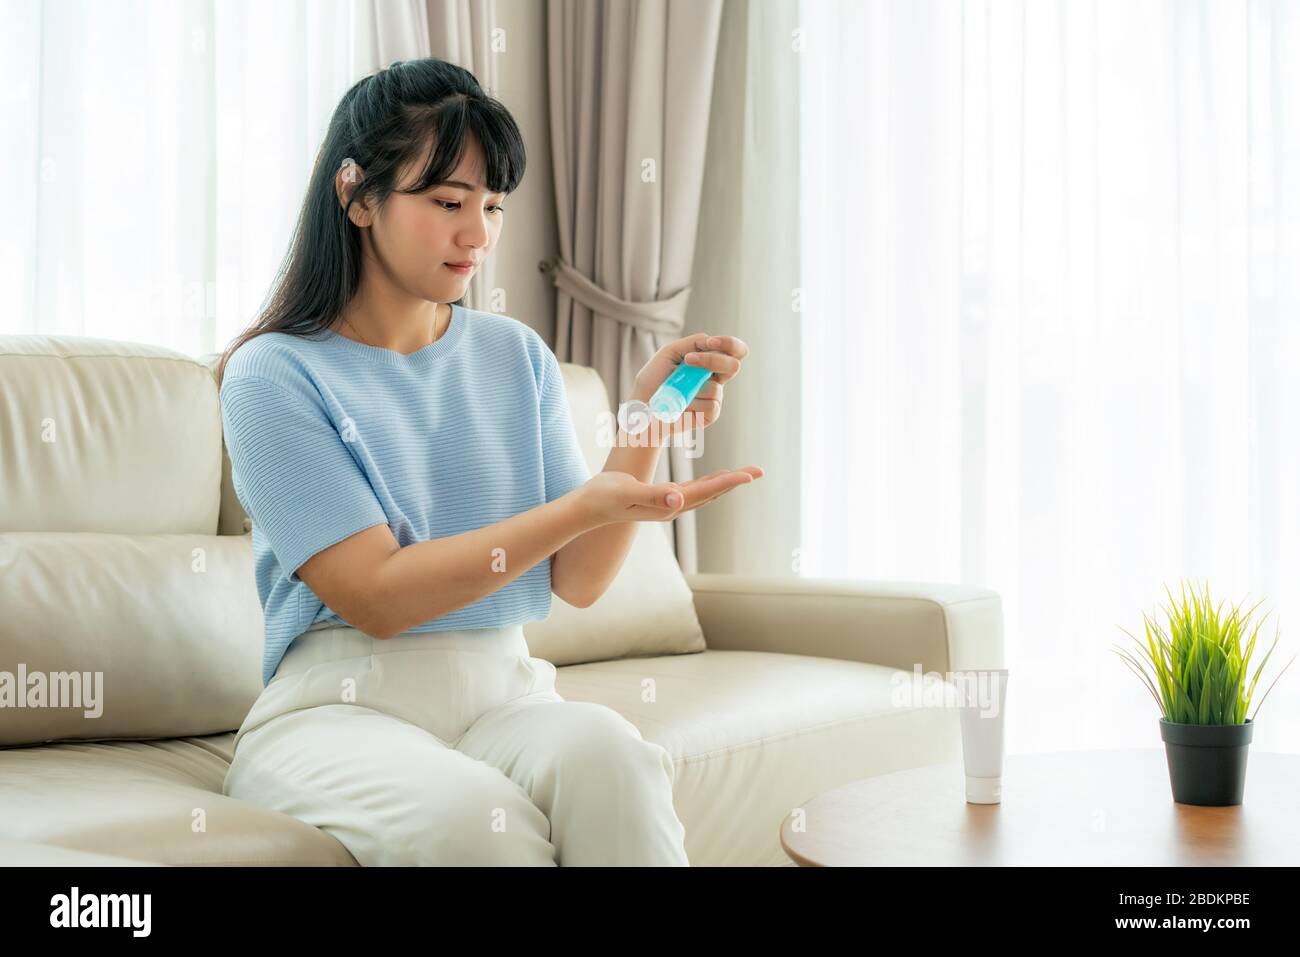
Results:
x,y
416,235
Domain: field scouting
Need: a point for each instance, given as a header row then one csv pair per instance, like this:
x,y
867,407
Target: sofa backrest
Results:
x,y
105,436
128,607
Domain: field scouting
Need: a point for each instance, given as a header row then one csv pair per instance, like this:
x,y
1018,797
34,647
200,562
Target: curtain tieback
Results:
x,y
665,317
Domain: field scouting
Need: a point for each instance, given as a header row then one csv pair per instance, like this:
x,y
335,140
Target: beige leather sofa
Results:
x,y
126,558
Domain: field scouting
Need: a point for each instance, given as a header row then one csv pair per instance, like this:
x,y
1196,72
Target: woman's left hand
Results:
x,y
723,357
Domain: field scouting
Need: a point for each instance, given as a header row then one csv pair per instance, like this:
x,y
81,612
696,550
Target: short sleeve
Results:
x,y
293,472
563,462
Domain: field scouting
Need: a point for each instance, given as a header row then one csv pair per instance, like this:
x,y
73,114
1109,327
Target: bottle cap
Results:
x,y
983,790
634,417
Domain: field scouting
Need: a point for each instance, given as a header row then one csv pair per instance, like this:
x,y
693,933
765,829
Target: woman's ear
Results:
x,y
346,180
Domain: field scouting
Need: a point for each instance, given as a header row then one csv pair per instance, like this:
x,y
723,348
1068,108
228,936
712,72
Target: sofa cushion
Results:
x,y
31,854
98,435
754,735
155,801
164,630
648,608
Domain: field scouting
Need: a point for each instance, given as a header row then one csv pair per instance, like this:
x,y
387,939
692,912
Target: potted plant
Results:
x,y
1197,676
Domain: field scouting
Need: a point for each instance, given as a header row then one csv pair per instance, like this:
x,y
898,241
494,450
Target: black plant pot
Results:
x,y
1207,762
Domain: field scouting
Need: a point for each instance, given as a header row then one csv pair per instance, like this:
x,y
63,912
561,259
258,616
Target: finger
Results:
x,y
704,489
699,490
703,411
655,497
719,477
731,345
722,365
702,485
678,349
711,390
721,493
734,478
724,345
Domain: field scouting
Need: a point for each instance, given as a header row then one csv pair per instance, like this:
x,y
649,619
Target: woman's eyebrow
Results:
x,y
460,185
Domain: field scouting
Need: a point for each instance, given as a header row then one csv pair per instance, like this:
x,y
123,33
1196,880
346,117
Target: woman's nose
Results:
x,y
475,233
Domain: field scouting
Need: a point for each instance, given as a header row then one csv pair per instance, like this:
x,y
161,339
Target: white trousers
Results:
x,y
452,748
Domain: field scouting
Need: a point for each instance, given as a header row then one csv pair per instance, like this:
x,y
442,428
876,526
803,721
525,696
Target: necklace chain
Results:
x,y
354,329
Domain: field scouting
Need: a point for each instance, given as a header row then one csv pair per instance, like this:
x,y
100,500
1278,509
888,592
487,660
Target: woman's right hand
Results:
x,y
618,497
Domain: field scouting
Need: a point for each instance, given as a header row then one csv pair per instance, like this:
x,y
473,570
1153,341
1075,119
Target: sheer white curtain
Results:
x,y
1051,272
156,155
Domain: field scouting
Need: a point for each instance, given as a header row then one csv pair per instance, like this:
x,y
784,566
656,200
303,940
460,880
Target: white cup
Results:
x,y
982,699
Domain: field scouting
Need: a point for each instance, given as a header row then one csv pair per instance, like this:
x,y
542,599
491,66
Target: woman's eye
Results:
x,y
448,204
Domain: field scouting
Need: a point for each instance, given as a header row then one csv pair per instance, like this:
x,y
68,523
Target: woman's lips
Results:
x,y
460,270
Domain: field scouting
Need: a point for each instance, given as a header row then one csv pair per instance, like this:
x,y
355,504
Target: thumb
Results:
x,y
666,496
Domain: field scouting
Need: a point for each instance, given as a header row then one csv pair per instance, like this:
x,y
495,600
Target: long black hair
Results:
x,y
383,122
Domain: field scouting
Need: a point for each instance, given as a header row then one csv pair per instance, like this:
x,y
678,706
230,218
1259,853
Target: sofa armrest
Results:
x,y
939,626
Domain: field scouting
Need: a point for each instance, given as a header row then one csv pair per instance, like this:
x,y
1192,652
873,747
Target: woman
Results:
x,y
417,493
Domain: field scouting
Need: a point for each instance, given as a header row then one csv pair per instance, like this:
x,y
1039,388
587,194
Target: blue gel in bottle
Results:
x,y
678,391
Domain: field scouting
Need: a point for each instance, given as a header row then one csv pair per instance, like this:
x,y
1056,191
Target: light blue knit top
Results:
x,y
328,436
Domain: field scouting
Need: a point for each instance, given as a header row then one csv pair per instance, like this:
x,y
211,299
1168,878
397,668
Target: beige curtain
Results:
x,y
458,31
630,88
749,285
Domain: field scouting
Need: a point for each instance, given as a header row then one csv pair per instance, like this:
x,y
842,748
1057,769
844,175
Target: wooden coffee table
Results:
x,y
1076,808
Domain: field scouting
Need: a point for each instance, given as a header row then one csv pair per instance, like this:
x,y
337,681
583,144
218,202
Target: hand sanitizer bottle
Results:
x,y
670,400
678,391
